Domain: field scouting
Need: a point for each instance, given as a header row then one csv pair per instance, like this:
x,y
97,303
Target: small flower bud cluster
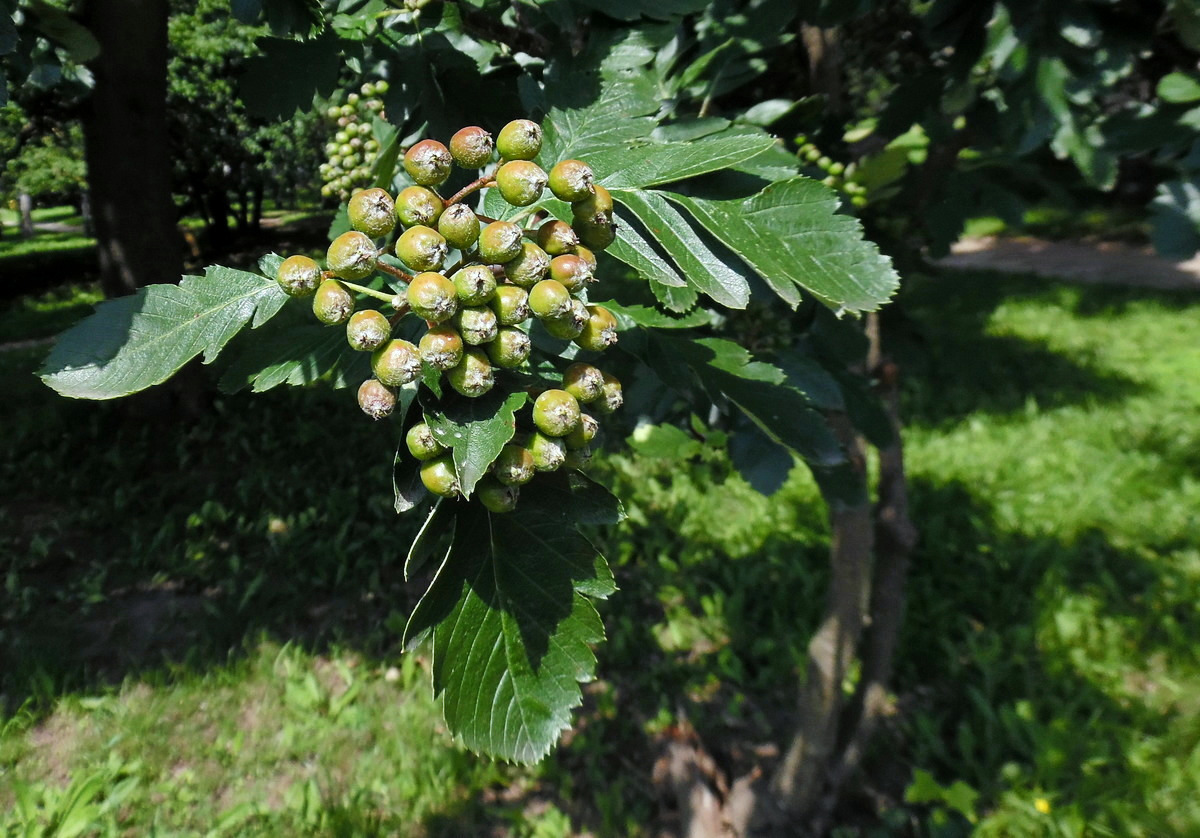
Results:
x,y
351,151
478,313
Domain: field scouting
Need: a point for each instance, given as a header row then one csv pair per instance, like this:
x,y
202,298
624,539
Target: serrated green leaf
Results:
x,y
511,627
475,431
642,166
629,316
632,248
792,236
438,526
703,269
135,342
665,442
297,354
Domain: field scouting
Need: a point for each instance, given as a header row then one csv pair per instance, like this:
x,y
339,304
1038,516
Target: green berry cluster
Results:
x,y
351,152
837,175
476,314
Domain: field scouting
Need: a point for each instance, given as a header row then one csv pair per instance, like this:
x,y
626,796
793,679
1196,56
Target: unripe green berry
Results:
x,y
600,330
376,400
556,237
583,381
472,147
521,182
441,347
510,348
396,363
363,129
333,303
460,226
373,212
421,442
569,325
432,297
548,452
500,242
298,276
475,285
476,324
520,139
473,376
583,433
352,255
529,267
549,299
511,304
556,413
587,256
578,458
381,87
367,89
514,466
859,201
496,496
571,271
422,248
611,397
352,99
596,206
571,180
812,154
837,169
428,163
333,112
439,477
367,330
418,205
596,235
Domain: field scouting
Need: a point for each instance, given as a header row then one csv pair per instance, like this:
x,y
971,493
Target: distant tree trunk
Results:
x,y
256,215
126,145
25,206
85,212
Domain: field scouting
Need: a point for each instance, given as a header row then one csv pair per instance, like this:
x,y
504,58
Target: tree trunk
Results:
x,y
125,143
85,212
25,206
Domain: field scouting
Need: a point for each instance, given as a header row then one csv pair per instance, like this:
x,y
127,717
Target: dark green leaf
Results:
x,y
664,442
633,249
1179,87
653,164
288,74
437,529
631,315
297,354
134,342
475,430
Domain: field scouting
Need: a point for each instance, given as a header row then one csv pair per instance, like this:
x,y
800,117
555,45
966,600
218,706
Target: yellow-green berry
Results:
x,y
529,267
510,348
569,325
500,242
472,147
352,255
432,297
571,180
556,413
596,207
422,248
376,400
600,330
373,212
556,237
418,205
596,234
583,381
549,299
367,330
333,303
520,182
511,304
298,276
583,433
496,496
571,271
548,452
514,466
428,163
459,225
421,442
520,139
441,347
611,397
396,363
473,376
476,324
439,477
475,285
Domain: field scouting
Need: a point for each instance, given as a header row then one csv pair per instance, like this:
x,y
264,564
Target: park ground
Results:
x,y
200,623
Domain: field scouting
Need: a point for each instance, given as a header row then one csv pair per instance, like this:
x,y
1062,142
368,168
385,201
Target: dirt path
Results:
x,y
1106,263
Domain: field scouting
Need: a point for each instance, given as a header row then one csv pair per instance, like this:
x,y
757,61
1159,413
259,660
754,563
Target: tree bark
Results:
x,y
25,207
125,143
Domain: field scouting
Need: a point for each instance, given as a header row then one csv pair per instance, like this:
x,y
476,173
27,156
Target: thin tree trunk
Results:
x,y
25,207
85,212
125,143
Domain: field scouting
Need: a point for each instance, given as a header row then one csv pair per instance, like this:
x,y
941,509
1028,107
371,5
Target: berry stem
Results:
x,y
473,186
370,292
401,310
396,272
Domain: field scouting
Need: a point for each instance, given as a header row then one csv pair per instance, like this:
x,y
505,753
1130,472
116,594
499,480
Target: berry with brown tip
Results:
x,y
556,413
428,163
529,267
583,434
567,326
418,205
549,299
476,324
600,330
571,271
511,304
372,211
472,147
333,303
432,297
510,348
376,400
422,248
595,208
514,466
597,235
520,139
473,376
396,363
496,496
583,381
439,477
578,458
556,237
571,180
459,225
441,347
520,182
548,452
611,397
421,442
500,242
367,330
587,256
298,276
352,255
475,285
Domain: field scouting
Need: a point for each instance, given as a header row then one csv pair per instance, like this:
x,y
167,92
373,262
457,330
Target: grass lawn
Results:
x,y
200,623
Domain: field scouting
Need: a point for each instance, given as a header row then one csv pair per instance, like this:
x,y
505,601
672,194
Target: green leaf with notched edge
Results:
x,y
650,165
632,248
295,354
134,342
512,626
629,316
791,235
475,431
703,269
438,526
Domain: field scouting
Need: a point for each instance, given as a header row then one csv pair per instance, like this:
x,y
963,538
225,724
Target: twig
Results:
x,y
473,186
396,272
